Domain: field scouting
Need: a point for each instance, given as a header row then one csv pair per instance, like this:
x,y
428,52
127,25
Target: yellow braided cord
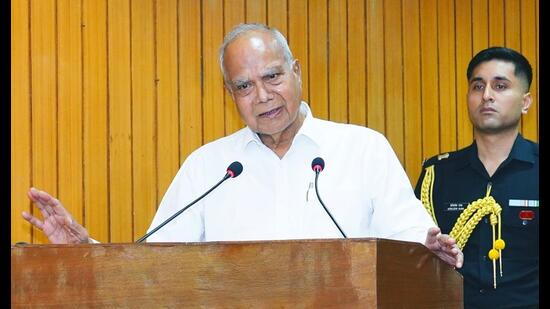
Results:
x,y
426,192
470,217
467,229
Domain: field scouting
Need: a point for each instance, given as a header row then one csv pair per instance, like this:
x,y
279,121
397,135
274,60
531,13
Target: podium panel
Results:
x,y
365,273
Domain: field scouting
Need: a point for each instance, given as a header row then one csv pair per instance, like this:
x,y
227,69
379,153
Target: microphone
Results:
x,y
233,170
317,165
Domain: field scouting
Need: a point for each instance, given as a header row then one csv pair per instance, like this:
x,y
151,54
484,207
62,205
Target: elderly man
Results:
x,y
364,187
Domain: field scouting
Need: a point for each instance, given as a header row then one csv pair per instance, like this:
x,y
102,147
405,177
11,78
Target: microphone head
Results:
x,y
234,169
318,164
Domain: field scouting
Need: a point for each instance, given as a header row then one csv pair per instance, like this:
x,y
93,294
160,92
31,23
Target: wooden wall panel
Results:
x,y
43,46
234,12
167,93
393,83
429,77
212,35
337,60
446,75
110,97
69,110
190,76
463,50
375,65
95,131
357,76
529,37
298,39
412,90
121,198
20,120
144,114
318,57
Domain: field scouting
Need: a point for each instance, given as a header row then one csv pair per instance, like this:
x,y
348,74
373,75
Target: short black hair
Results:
x,y
522,67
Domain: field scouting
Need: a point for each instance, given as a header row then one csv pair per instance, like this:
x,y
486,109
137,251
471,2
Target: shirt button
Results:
x,y
485,258
482,291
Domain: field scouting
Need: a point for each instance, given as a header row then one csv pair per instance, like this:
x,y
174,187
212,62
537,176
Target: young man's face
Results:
x,y
496,97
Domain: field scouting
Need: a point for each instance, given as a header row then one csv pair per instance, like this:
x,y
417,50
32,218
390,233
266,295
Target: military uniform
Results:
x,y
459,178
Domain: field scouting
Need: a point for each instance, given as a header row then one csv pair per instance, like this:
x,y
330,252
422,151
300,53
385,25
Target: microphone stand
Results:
x,y
323,204
227,176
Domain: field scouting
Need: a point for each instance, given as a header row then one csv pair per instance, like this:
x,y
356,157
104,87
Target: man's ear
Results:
x,y
526,102
297,69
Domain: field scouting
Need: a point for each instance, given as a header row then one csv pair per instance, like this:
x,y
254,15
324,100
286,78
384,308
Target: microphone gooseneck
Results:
x,y
233,170
317,165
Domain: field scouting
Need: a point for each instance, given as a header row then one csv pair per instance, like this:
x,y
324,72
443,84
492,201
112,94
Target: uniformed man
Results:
x,y
486,195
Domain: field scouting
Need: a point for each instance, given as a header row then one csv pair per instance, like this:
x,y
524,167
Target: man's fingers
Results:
x,y
33,220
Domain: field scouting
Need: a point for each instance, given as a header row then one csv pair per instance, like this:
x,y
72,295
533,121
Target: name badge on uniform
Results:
x,y
455,206
523,203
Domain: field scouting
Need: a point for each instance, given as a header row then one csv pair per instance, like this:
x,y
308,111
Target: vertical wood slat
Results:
x,y
446,75
357,83
44,99
277,13
69,67
143,114
213,109
234,14
256,11
167,94
463,49
337,61
412,90
318,55
123,142
496,22
480,25
190,76
429,74
375,66
96,212
393,63
512,33
528,49
120,122
298,40
20,120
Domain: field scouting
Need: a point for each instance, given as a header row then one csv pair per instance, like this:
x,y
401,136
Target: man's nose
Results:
x,y
488,95
263,93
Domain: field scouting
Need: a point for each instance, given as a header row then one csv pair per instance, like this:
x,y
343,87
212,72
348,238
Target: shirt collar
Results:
x,y
308,129
521,150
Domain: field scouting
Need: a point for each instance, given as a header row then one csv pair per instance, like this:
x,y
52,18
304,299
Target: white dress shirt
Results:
x,y
363,185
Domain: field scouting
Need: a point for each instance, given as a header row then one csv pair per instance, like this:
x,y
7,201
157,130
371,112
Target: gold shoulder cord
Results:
x,y
426,191
468,220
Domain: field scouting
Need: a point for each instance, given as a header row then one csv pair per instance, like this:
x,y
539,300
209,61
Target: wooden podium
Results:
x,y
350,273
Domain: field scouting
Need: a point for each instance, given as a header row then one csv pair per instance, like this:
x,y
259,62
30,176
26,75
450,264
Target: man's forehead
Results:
x,y
494,69
255,40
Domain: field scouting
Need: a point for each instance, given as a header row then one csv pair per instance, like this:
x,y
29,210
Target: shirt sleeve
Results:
x,y
189,225
397,213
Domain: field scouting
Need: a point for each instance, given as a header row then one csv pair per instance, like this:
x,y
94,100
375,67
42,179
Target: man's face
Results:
x,y
266,89
496,97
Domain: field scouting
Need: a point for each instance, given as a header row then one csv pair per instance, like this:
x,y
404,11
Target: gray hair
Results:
x,y
245,28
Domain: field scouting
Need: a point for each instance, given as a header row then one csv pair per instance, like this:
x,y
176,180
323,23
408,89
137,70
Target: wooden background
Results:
x,y
109,97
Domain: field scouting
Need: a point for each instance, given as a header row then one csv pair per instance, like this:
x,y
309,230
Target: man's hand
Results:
x,y
58,224
445,247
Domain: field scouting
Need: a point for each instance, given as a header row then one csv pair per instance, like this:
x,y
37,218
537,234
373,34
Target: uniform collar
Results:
x,y
521,151
307,130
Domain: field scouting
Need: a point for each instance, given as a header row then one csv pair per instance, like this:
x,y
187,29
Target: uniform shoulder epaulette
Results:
x,y
433,160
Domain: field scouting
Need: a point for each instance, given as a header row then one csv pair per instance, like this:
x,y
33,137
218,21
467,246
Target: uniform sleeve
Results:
x,y
419,183
397,214
189,225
